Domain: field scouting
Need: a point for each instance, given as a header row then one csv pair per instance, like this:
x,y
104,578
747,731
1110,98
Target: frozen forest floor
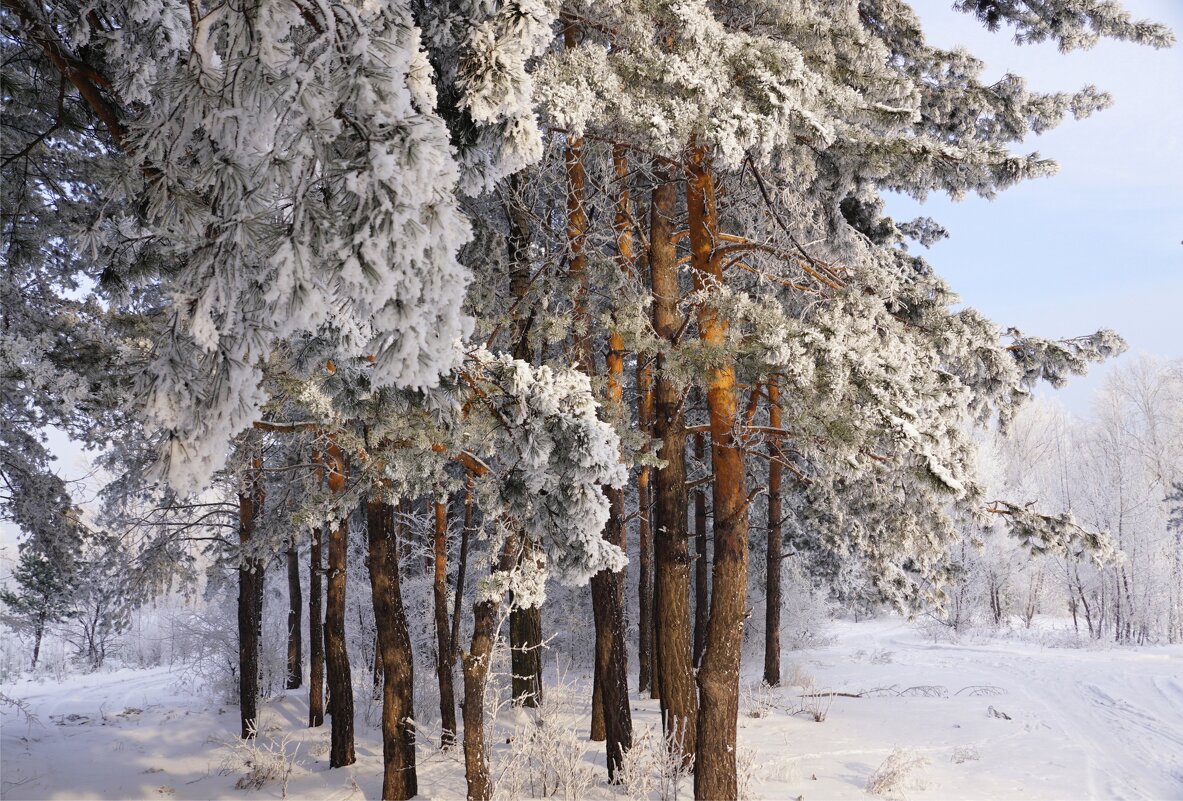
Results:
x,y
1097,722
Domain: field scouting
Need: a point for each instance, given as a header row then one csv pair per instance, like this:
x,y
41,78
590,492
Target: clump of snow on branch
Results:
x,y
563,457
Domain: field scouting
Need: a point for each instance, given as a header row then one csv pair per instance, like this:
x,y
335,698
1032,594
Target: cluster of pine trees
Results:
x,y
595,278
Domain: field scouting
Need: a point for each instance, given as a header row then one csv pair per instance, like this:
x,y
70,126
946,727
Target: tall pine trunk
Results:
x,y
38,633
295,619
611,666
475,665
399,780
316,642
718,673
462,566
340,679
525,625
701,588
644,539
775,544
611,717
674,675
443,637
250,601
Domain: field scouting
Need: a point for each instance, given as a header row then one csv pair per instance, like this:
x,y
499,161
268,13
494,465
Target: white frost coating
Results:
x,y
317,194
565,455
945,476
497,89
527,582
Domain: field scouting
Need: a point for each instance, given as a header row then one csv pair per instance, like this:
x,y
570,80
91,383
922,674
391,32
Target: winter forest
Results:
x,y
503,399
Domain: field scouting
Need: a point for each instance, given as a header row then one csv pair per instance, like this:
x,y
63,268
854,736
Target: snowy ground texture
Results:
x,y
994,718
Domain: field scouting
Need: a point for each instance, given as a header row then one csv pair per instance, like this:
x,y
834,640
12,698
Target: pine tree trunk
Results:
x,y
610,703
644,541
339,677
250,602
525,658
644,583
399,780
673,668
443,646
611,656
701,587
718,674
295,620
316,649
462,566
475,665
38,633
376,680
525,625
775,545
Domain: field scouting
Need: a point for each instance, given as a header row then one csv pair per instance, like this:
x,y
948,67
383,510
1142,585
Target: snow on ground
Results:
x,y
1067,723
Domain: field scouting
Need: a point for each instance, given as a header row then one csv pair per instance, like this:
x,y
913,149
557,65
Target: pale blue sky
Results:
x,y
1100,244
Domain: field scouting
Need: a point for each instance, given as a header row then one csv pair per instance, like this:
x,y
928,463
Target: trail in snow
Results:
x,y
1105,723
1102,724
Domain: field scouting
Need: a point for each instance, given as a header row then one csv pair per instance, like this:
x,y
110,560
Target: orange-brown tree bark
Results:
x,y
475,666
399,779
611,669
701,580
673,669
443,634
718,673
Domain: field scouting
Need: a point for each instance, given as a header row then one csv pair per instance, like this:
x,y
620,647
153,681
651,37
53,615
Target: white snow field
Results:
x,y
995,718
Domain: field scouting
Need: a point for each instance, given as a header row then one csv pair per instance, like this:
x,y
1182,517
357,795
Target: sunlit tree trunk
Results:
x,y
673,669
718,673
399,779
475,665
701,580
608,588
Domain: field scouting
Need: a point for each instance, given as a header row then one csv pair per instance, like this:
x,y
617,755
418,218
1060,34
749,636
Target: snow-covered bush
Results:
x,y
547,756
758,700
262,759
653,770
899,773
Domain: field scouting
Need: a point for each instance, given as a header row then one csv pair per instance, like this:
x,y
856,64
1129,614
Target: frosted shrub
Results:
x,y
965,753
653,767
263,759
795,675
746,773
816,704
758,700
546,757
898,774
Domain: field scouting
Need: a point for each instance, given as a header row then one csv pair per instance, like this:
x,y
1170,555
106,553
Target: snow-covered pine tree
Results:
x,y
835,101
